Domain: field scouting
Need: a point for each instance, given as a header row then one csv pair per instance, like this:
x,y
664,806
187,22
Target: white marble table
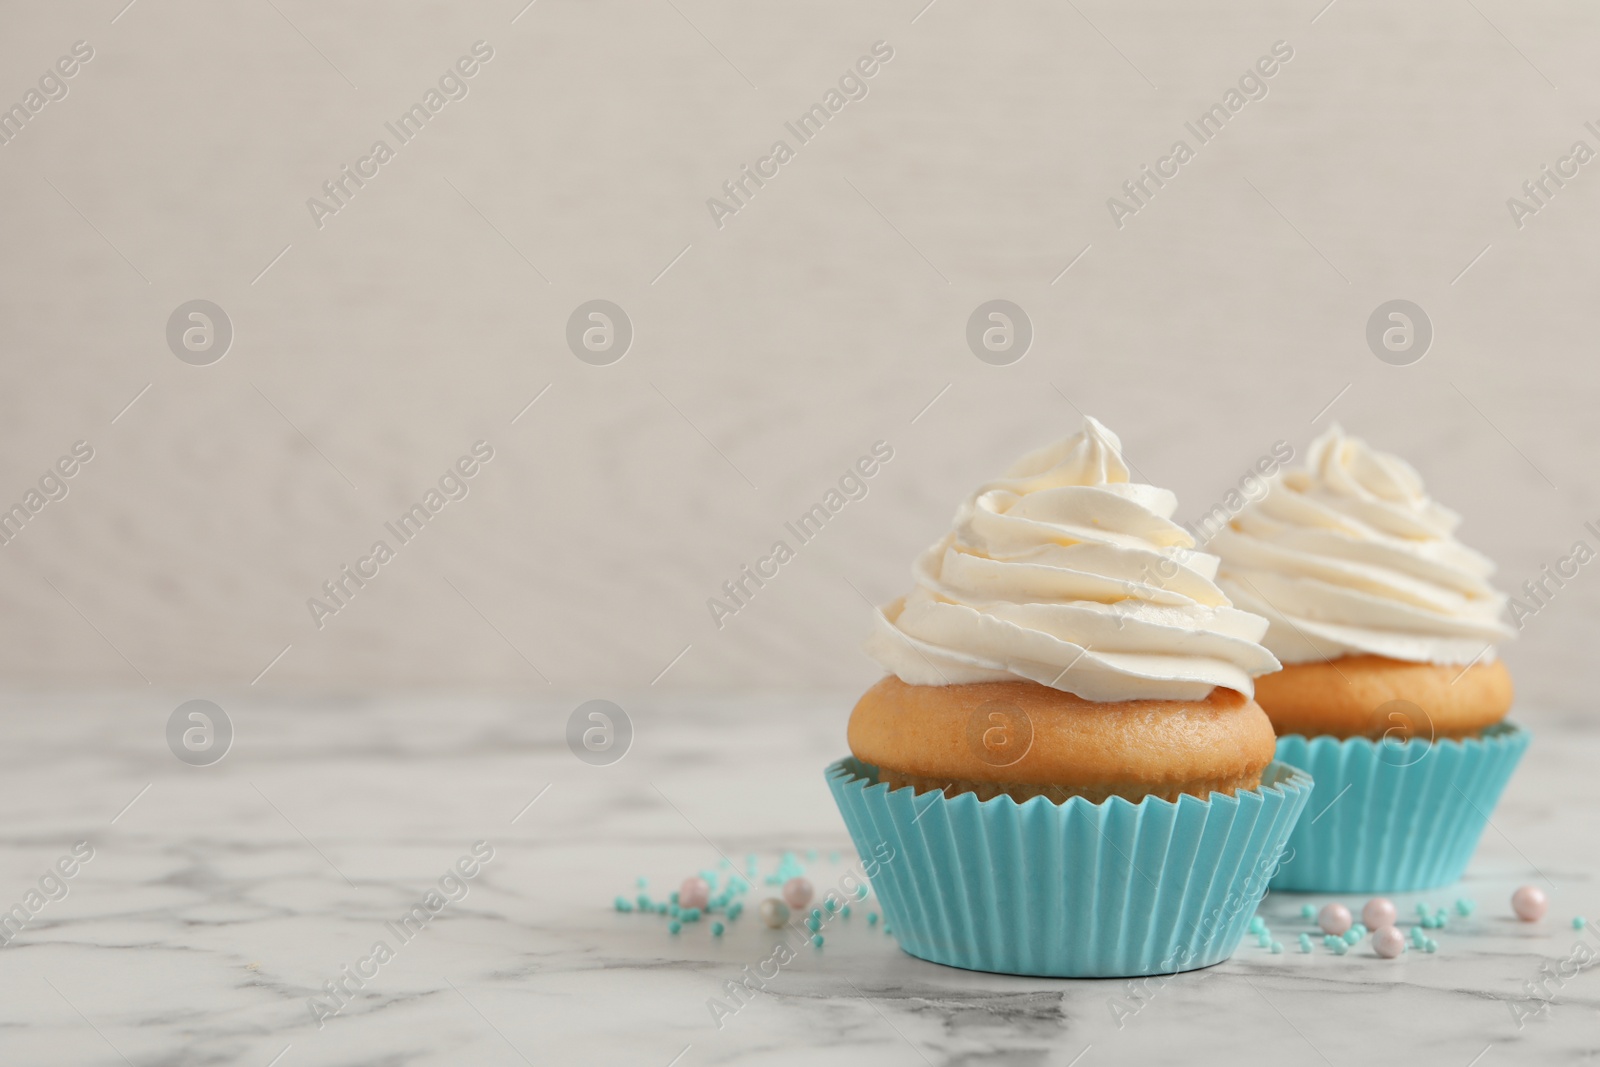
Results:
x,y
225,896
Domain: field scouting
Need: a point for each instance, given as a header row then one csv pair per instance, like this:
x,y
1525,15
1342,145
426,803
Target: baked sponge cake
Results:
x,y
1026,740
1378,697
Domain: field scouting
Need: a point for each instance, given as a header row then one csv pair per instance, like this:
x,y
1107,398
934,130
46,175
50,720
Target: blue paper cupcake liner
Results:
x,y
1069,890
1389,816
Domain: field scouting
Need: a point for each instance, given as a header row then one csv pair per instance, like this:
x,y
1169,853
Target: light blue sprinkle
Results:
x,y
1263,940
872,918
644,903
1465,906
1277,948
641,881
1431,945
1422,908
733,912
812,924
816,939
1305,942
674,911
674,927
691,916
1257,924
1340,948
1308,911
1351,937
716,929
829,905
845,911
623,905
861,892
1579,922
673,896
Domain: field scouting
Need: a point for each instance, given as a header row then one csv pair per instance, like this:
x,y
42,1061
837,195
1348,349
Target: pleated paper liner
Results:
x,y
1074,889
1391,816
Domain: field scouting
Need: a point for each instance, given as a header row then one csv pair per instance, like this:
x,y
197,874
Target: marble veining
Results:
x,y
220,901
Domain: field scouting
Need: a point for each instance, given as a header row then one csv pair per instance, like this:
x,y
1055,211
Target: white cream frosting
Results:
x,y
1067,574
1349,555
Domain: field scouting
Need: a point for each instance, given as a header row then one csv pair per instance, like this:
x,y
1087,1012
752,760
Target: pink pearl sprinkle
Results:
x,y
694,893
797,893
1334,919
1379,912
1529,903
1388,942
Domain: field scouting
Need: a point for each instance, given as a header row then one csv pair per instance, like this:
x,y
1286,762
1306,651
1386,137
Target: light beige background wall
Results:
x,y
823,317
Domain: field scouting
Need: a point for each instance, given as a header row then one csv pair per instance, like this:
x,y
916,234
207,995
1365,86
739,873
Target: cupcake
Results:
x,y
1391,694
1065,762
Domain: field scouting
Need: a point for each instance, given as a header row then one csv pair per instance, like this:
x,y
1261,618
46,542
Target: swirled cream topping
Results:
x,y
1350,555
1066,573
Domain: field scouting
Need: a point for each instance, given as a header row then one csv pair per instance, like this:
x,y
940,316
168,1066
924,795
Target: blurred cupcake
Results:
x,y
1065,759
1391,695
